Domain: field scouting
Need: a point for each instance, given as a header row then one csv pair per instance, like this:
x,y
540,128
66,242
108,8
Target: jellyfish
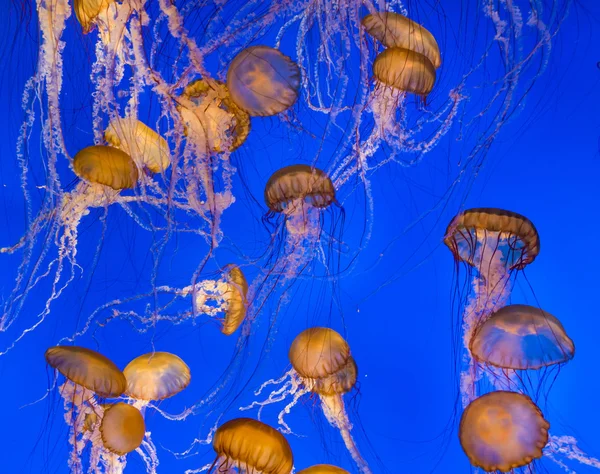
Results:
x,y
323,469
521,337
501,431
122,428
405,70
321,365
90,377
494,244
147,149
251,446
263,81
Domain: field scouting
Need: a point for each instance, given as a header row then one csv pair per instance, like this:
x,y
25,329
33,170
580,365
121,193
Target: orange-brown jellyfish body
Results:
x,y
263,81
251,446
405,70
106,165
122,428
323,469
156,376
521,337
501,431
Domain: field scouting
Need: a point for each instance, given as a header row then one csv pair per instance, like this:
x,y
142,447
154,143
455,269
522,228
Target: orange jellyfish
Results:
x,y
263,81
146,147
122,428
155,376
501,431
251,446
521,337
405,70
211,117
323,469
493,244
322,365
107,166
89,375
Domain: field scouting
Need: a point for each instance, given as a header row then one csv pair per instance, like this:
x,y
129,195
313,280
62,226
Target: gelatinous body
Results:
x,y
298,182
521,337
396,31
517,237
88,369
88,10
405,70
323,469
147,148
253,446
502,430
263,81
156,376
106,165
122,428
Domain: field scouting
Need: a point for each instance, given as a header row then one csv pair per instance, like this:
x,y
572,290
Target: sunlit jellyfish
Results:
x,y
90,377
323,469
153,377
321,365
104,172
494,244
501,431
248,446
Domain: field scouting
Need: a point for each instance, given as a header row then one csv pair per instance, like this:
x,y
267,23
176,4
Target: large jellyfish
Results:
x,y
263,81
88,375
251,446
501,431
322,365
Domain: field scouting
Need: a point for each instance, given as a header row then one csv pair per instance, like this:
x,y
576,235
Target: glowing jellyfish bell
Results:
x,y
156,376
107,166
405,70
251,446
211,117
263,81
298,192
501,431
89,374
146,147
227,295
396,31
521,337
122,428
323,469
322,364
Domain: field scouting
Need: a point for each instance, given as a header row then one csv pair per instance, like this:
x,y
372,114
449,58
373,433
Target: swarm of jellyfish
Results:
x,y
182,102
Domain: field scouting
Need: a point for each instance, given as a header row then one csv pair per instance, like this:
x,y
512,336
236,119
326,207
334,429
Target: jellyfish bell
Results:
x,y
396,31
521,337
501,431
87,11
405,70
323,469
106,165
88,369
212,118
263,81
146,147
156,376
475,234
252,446
122,428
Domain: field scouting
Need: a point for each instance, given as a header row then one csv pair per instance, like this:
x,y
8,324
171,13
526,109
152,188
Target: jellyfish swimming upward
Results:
x,y
321,365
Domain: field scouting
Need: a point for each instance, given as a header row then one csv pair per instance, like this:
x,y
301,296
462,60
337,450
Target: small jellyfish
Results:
x,y
405,70
89,375
323,469
501,431
263,81
88,11
146,147
106,165
211,118
251,446
521,337
122,428
156,376
396,31
322,365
